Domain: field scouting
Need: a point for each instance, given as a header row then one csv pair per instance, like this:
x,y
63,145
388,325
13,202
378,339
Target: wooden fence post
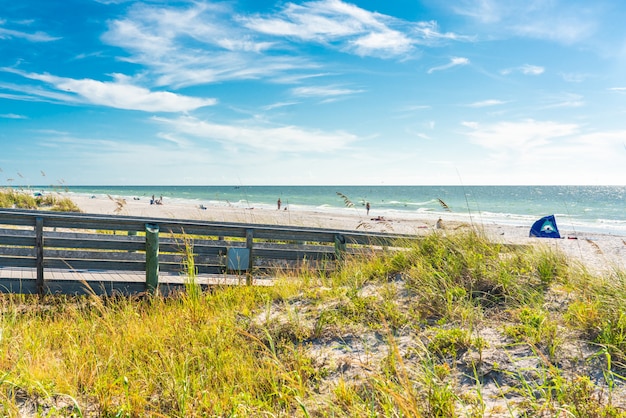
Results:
x,y
249,244
152,258
340,246
39,251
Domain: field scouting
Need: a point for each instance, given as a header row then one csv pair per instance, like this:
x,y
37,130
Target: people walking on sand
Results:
x,y
367,207
278,203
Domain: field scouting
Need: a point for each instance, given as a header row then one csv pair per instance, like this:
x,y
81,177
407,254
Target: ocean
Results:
x,y
577,208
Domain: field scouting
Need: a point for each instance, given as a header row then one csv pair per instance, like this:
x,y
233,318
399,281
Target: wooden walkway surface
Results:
x,y
168,281
75,253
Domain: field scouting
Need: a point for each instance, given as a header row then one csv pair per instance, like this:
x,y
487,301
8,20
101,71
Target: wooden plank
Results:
x,y
94,264
100,242
94,255
17,240
17,252
294,254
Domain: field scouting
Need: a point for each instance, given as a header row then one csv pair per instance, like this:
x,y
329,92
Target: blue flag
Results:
x,y
545,228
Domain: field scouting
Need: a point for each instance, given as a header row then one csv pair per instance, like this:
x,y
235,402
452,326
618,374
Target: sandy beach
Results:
x,y
598,252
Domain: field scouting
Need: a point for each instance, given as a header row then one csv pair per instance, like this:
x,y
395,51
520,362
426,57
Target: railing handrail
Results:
x,y
63,233
126,223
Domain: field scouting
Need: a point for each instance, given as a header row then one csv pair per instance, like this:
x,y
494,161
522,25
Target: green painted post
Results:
x,y
152,258
249,245
340,246
39,252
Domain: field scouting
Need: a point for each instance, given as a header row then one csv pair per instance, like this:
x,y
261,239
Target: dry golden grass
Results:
x,y
453,326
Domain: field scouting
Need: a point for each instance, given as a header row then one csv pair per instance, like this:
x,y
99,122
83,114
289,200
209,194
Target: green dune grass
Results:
x,y
451,326
11,198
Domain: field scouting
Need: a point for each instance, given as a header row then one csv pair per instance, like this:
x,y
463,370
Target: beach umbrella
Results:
x,y
545,228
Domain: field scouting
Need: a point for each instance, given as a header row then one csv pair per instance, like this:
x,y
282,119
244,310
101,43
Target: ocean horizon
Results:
x,y
577,208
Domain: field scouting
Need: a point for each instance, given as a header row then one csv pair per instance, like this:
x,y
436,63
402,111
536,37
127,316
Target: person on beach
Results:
x,y
278,203
367,207
439,224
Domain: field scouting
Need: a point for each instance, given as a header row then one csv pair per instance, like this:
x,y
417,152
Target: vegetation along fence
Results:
x,y
74,253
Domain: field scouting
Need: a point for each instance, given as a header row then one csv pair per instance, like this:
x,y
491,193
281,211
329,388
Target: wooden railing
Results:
x,y
53,244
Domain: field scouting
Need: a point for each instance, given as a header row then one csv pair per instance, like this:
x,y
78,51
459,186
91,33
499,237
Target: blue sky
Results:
x,y
415,92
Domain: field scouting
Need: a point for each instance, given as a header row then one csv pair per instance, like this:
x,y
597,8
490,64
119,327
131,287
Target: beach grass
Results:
x,y
18,199
452,326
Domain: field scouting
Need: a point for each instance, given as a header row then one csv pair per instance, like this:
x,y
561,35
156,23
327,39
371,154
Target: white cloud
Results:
x,y
470,124
323,91
531,69
565,100
279,105
429,31
120,94
454,62
413,108
618,89
290,139
574,77
563,29
31,37
487,103
384,43
525,69
34,93
12,116
348,27
210,42
558,21
524,141
197,45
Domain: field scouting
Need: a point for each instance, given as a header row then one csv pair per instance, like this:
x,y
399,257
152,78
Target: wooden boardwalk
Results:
x,y
101,282
75,253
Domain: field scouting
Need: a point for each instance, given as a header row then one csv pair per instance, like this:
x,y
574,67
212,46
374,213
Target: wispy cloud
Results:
x,y
525,69
348,27
413,108
559,21
574,77
290,139
351,28
279,105
196,45
120,93
618,89
323,91
12,116
37,36
520,139
565,100
487,103
454,62
210,42
30,93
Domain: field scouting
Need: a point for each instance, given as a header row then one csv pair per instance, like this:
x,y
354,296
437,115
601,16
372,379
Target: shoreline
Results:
x,y
598,252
